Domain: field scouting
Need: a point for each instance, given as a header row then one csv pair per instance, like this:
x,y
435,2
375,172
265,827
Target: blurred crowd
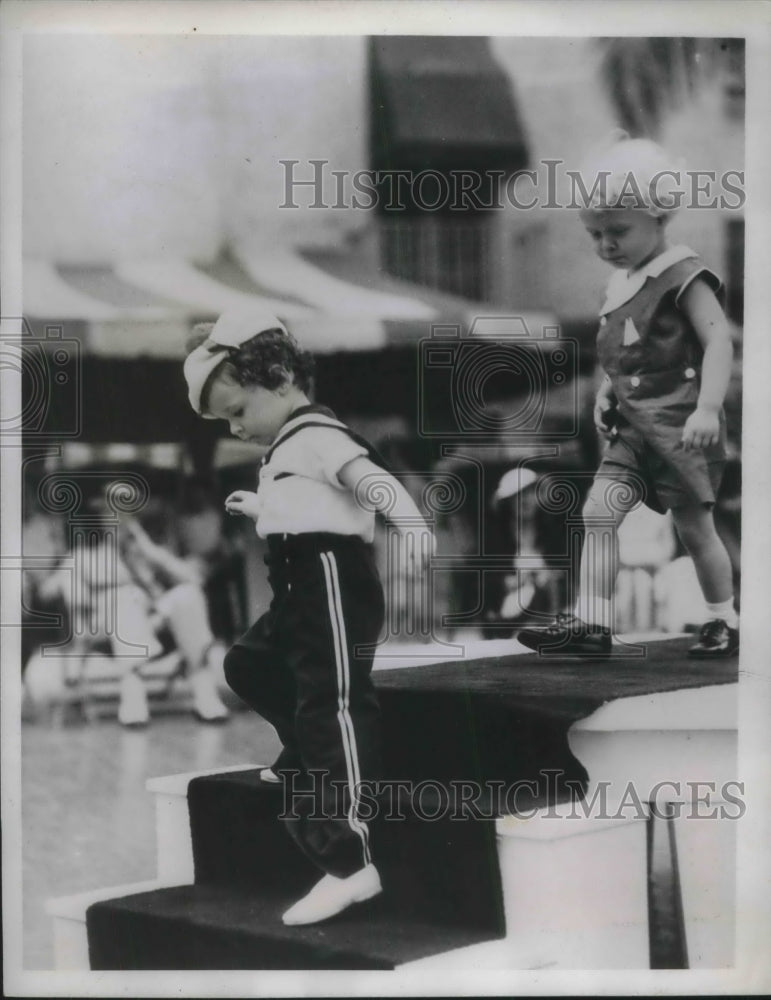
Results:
x,y
155,598
164,586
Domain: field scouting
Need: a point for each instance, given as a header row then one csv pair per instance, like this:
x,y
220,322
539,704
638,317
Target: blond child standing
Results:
x,y
666,351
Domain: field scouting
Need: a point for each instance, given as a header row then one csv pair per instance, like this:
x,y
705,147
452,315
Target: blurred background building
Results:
x,y
148,147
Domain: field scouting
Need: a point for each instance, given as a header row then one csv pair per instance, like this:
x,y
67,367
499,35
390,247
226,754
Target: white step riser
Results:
x,y
571,901
174,851
69,920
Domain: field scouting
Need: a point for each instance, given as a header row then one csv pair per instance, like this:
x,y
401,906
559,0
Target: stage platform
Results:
x,y
531,878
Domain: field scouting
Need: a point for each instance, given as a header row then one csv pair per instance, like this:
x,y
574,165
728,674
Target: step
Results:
x,y
507,718
217,927
174,867
442,869
68,914
174,847
441,891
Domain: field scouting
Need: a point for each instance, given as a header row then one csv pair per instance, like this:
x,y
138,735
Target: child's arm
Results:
x,y
390,498
160,558
699,304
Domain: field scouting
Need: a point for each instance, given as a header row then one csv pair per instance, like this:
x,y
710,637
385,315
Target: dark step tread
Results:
x,y
507,718
564,685
215,927
441,870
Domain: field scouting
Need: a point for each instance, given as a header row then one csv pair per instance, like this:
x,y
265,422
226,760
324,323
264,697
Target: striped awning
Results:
x,y
331,301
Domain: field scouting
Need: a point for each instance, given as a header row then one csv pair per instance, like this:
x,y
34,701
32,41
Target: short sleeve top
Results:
x,y
299,489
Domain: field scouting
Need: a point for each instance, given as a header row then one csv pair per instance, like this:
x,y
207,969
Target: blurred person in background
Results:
x,y
532,588
43,598
131,595
162,590
203,541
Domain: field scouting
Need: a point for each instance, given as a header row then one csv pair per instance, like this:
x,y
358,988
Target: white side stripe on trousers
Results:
x,y
334,598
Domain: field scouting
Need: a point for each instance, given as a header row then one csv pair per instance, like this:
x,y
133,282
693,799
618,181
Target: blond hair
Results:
x,y
623,172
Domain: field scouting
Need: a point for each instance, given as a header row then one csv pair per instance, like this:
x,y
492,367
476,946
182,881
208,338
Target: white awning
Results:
x,y
331,301
288,272
189,285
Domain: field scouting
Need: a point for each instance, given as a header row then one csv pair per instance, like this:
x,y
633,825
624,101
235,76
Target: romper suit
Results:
x,y
301,665
652,355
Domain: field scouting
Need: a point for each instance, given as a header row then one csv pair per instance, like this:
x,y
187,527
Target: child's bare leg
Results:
x,y
588,631
719,635
604,511
696,527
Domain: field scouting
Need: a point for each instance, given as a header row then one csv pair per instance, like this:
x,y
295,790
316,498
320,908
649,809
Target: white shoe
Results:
x,y
133,710
206,702
332,895
268,775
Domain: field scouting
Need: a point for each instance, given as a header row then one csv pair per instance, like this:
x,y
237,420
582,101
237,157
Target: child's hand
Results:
x,y
701,429
604,411
242,502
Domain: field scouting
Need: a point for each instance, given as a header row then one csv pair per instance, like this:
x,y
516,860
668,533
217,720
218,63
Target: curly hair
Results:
x,y
264,360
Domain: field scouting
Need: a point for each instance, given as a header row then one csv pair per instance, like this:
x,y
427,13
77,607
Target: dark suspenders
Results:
x,y
310,412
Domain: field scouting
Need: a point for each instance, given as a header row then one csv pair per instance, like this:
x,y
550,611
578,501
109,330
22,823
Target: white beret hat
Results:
x,y
231,330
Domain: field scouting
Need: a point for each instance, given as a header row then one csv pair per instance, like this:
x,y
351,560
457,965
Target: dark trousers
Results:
x,y
299,668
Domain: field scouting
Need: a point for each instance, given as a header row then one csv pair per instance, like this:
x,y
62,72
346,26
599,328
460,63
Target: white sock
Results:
x,y
724,610
594,611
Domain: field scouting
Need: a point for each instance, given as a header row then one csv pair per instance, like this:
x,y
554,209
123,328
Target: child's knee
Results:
x,y
611,500
234,669
695,528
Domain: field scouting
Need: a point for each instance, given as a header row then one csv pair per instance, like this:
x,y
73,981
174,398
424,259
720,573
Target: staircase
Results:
x,y
441,882
517,890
